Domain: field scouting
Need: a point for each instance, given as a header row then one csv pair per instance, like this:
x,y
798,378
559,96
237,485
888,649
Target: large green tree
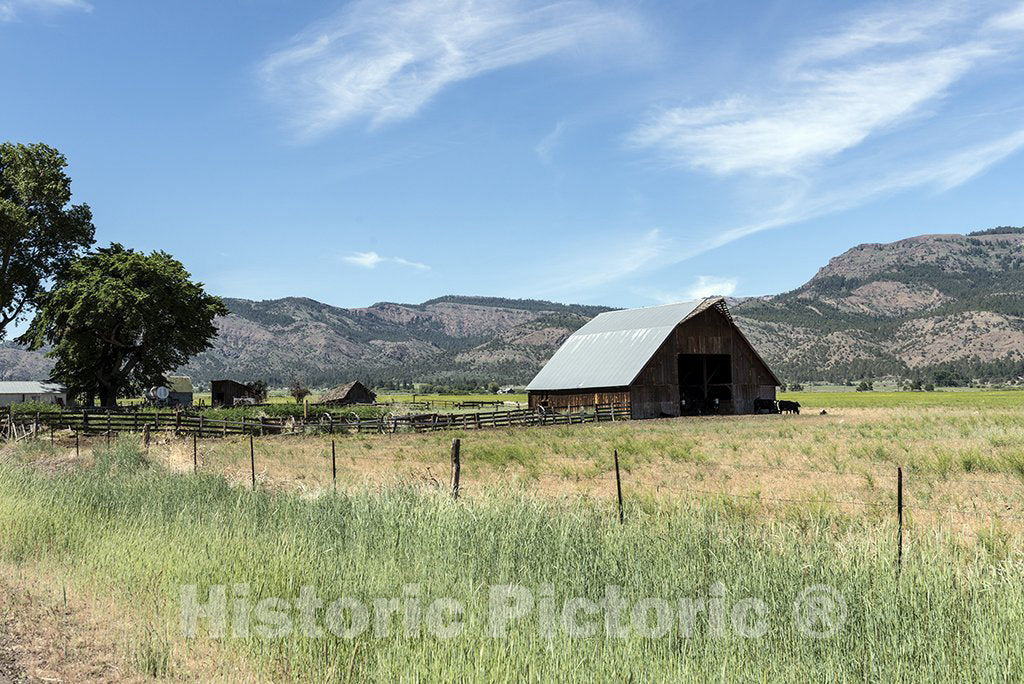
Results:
x,y
118,320
40,231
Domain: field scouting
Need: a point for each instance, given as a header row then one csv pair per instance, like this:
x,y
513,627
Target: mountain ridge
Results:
x,y
945,307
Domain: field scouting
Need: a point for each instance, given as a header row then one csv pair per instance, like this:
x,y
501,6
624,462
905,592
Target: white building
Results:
x,y
36,392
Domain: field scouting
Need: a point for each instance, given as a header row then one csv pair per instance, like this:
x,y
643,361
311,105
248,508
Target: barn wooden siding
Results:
x,y
655,392
571,399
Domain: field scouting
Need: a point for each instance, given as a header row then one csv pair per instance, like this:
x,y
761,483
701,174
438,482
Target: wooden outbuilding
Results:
x,y
352,393
181,389
679,359
32,392
225,392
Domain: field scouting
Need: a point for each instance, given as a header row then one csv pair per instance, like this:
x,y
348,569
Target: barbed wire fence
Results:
x,y
36,427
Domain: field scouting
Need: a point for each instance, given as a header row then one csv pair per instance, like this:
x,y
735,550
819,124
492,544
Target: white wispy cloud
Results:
x,y
702,286
1012,20
605,260
11,10
826,97
549,142
853,116
710,286
372,260
383,61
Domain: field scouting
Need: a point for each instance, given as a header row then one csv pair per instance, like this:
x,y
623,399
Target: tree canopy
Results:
x,y
119,319
40,232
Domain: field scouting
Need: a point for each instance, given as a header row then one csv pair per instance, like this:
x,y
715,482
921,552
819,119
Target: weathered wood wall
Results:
x,y
579,399
655,392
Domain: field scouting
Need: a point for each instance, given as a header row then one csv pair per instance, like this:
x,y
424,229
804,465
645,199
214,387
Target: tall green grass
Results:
x,y
137,533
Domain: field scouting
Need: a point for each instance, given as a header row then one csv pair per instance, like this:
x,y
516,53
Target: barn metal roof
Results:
x,y
29,387
612,349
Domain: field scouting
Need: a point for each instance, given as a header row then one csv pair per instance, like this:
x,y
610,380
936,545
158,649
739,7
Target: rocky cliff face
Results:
x,y
937,306
925,305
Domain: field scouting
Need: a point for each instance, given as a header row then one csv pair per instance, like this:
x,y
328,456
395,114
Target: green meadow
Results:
x,y
126,533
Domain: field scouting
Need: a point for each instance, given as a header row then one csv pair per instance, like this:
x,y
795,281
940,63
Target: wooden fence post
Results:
x,y
618,486
195,453
334,467
899,518
252,462
145,436
78,451
456,467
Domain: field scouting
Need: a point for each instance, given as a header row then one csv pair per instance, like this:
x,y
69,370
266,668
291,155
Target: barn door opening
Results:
x,y
705,382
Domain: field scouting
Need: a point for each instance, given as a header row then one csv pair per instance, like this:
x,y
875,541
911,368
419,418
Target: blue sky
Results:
x,y
622,153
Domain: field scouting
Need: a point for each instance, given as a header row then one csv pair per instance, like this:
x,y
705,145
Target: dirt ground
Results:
x,y
44,639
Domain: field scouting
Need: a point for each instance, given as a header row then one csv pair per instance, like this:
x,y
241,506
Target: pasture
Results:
x,y
765,505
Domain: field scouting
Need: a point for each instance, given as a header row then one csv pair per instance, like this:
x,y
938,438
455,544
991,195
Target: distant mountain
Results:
x,y
939,307
449,338
945,308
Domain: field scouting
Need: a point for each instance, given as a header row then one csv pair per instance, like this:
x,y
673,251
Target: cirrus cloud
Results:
x,y
11,10
384,61
371,260
868,110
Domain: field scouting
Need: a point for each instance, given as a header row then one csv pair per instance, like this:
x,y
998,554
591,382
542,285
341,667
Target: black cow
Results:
x,y
765,406
789,407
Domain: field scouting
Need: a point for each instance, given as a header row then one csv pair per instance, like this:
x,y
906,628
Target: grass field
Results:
x,y
953,398
768,506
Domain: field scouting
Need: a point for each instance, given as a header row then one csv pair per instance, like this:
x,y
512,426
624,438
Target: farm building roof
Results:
x,y
341,392
30,387
612,348
180,384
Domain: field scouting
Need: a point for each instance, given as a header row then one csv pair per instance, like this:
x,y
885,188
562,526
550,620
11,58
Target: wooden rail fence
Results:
x,y
113,422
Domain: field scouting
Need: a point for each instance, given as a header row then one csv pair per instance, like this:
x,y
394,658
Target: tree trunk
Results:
x,y
108,397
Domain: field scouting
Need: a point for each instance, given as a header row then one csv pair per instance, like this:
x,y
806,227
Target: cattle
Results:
x,y
789,407
765,406
699,407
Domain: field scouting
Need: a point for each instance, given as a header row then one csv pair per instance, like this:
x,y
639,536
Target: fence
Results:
x,y
91,421
430,404
15,429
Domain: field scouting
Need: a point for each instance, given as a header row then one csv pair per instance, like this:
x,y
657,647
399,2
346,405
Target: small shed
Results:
x,y
678,359
354,392
181,390
23,392
224,392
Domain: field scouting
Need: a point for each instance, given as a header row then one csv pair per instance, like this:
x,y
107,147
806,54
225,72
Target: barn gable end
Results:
x,y
699,363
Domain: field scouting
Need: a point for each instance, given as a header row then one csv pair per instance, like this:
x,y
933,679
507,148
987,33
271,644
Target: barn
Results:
x,y
351,393
225,392
678,359
181,390
32,392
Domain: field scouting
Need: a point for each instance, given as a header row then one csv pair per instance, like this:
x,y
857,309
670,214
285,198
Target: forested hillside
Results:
x,y
941,308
